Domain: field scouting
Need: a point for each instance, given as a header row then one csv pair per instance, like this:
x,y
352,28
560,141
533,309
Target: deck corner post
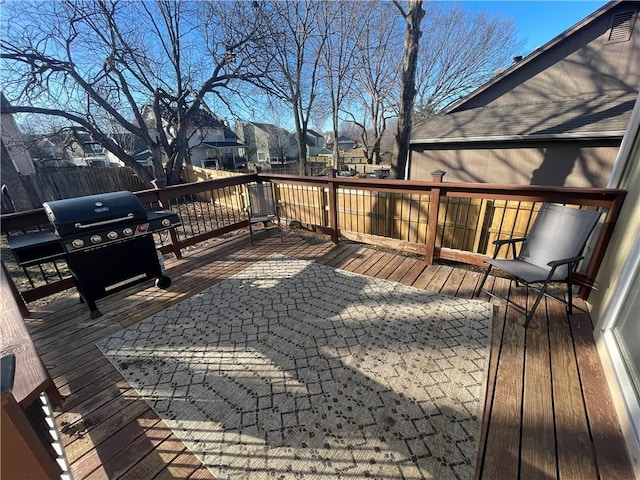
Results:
x,y
432,225
333,206
15,293
165,202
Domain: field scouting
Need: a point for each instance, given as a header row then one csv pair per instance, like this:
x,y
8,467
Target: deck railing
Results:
x,y
437,219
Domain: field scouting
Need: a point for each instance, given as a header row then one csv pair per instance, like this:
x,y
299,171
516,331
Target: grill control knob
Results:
x,y
77,243
166,222
96,238
128,231
112,235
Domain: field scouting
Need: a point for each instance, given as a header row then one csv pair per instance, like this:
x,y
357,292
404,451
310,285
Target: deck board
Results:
x,y
544,389
538,458
412,274
575,456
504,433
119,444
609,447
181,466
156,448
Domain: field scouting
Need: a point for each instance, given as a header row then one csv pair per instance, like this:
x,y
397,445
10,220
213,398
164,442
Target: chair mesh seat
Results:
x,y
526,271
549,253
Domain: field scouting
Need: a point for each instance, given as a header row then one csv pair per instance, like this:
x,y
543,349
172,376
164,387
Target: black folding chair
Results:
x,y
549,254
262,206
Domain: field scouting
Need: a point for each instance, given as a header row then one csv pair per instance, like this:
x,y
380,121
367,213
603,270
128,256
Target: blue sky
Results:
x,y
537,22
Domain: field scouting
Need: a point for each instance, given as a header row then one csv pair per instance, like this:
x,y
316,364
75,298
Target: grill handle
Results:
x,y
129,216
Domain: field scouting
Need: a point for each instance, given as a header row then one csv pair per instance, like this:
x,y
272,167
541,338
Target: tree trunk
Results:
x,y
336,147
158,170
412,36
302,152
376,153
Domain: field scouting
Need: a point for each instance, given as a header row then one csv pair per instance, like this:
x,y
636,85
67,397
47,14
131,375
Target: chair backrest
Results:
x,y
261,199
557,233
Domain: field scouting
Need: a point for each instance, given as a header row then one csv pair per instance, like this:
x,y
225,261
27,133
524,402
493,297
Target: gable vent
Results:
x,y
621,27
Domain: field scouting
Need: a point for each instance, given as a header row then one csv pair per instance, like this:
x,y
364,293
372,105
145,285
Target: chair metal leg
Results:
x,y
569,293
484,279
251,232
541,293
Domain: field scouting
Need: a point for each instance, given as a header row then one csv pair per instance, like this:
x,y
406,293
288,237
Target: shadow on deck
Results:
x,y
548,413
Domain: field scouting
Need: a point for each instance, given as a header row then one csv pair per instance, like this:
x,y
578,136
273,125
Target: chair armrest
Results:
x,y
565,261
508,240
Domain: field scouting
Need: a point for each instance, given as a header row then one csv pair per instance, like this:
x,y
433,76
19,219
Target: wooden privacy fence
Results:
x,y
452,221
59,183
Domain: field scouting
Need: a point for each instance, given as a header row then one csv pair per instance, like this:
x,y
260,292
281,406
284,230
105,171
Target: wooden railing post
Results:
x,y
333,206
600,248
15,293
165,202
432,226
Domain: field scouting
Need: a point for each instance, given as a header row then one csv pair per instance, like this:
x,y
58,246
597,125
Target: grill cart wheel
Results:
x,y
163,282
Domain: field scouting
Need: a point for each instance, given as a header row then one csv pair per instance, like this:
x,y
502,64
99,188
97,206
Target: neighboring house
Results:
x,y
212,144
46,151
80,149
353,155
345,143
267,144
70,147
13,140
15,164
256,140
221,151
134,146
315,144
556,117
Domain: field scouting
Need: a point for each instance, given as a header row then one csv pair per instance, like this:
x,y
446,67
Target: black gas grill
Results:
x,y
106,240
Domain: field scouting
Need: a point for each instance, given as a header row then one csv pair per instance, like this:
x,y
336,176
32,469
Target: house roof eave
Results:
x,y
521,138
223,144
533,55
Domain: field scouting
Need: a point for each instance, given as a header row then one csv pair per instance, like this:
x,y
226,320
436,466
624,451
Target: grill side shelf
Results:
x,y
35,247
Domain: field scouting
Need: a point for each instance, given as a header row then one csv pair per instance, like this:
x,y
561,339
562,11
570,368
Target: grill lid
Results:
x,y
79,214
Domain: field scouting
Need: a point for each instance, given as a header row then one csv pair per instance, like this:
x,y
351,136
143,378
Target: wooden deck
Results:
x,y
548,412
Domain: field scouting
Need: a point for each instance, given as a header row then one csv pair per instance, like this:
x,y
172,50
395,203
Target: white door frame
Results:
x,y
626,401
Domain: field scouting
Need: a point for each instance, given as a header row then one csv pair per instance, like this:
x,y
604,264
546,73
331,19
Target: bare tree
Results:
x,y
413,17
460,51
281,141
145,66
374,96
296,43
339,61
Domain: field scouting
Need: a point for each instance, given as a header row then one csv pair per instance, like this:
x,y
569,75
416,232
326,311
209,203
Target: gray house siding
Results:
x,y
257,142
585,63
555,118
562,163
